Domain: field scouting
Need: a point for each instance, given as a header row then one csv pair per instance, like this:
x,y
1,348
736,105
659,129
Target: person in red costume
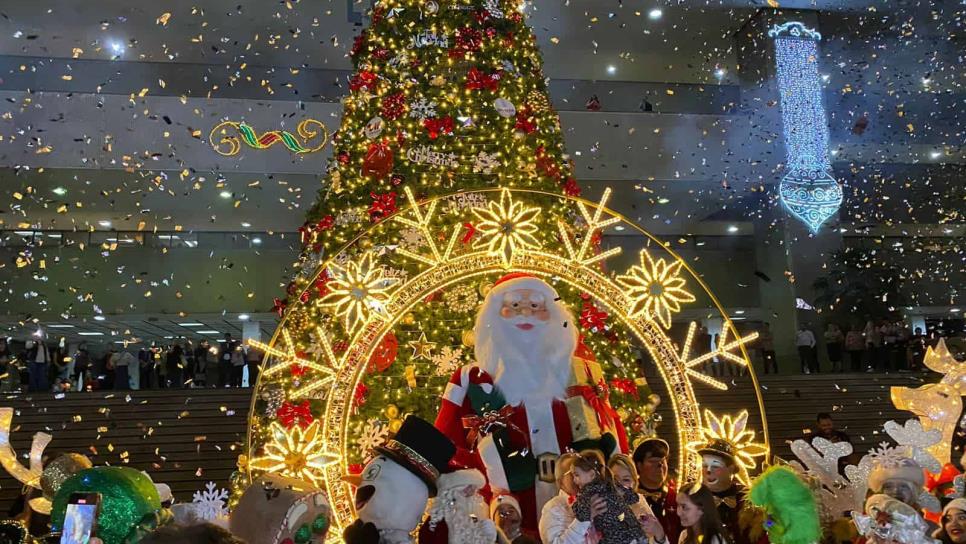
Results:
x,y
519,406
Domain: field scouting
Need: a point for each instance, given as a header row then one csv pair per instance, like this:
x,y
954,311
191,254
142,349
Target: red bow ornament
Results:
x,y
525,121
476,80
383,205
481,425
295,414
438,125
363,80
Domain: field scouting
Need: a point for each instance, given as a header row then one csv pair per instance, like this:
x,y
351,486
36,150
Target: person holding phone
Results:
x,y
80,518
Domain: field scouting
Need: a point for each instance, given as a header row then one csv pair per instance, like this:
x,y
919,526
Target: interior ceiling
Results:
x,y
579,38
142,329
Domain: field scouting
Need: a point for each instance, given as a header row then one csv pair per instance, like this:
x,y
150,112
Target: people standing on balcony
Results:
x,y
834,344
855,345
8,367
146,368
253,358
121,362
173,365
237,366
805,341
212,370
890,344
766,343
201,363
82,367
38,357
873,344
224,361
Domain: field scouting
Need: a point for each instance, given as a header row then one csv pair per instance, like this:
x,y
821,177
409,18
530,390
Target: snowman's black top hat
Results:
x,y
420,448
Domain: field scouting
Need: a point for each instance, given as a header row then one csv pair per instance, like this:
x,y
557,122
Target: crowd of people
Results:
x,y
42,366
879,346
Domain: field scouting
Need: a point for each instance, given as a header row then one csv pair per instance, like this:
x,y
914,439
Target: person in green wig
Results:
x,y
792,513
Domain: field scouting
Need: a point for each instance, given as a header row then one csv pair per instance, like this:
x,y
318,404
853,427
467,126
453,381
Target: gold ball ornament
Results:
x,y
468,338
438,81
409,319
392,411
394,425
485,287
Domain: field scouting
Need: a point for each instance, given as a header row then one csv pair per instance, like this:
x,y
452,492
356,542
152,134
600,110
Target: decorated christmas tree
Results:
x,y
448,171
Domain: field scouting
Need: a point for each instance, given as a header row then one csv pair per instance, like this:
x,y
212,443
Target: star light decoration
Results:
x,y
733,430
939,406
507,226
357,291
422,349
296,453
655,289
292,359
723,349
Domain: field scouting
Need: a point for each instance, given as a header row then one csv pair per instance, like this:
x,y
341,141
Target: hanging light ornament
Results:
x,y
809,190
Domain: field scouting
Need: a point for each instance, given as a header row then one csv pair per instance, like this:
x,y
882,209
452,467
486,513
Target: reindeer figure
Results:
x,y
30,475
938,405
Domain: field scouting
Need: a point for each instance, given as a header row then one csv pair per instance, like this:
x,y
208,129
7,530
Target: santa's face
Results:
x,y
383,483
716,472
525,309
900,490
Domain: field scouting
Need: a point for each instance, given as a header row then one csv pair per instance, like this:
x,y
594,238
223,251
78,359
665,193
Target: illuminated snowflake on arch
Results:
x,y
443,257
808,190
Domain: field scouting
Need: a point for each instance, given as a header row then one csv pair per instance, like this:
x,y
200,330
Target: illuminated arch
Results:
x,y
440,266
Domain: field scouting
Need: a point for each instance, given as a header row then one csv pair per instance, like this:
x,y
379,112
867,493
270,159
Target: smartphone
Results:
x,y
81,518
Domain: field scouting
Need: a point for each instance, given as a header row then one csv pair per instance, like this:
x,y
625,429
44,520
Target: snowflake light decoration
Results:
x,y
448,360
375,433
422,109
655,289
357,290
296,453
212,502
507,226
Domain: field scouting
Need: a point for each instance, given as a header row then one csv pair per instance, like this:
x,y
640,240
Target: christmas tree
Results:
x,y
449,169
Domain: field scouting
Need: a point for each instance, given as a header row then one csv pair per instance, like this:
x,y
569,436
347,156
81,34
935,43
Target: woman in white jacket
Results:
x,y
557,522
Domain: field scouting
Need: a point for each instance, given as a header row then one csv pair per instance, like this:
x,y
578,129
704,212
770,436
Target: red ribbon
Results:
x,y
597,396
479,426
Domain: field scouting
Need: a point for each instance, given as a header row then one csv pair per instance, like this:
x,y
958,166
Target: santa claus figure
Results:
x,y
521,404
458,514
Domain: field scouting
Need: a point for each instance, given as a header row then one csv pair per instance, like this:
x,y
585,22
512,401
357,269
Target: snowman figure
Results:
x,y
396,484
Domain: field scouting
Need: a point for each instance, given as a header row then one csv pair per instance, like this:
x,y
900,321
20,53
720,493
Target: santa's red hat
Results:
x,y
522,280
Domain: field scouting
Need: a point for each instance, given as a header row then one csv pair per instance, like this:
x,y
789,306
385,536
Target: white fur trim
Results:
x,y
534,284
494,465
461,478
454,392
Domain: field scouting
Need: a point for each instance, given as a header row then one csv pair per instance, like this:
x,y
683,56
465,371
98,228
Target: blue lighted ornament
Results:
x,y
808,190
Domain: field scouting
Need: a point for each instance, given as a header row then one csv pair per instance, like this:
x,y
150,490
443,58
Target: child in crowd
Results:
x,y
699,516
618,524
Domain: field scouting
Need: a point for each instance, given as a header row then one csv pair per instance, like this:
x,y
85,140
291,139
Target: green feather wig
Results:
x,y
791,507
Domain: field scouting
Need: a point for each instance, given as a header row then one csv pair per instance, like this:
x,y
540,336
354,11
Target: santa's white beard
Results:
x,y
526,366
466,518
